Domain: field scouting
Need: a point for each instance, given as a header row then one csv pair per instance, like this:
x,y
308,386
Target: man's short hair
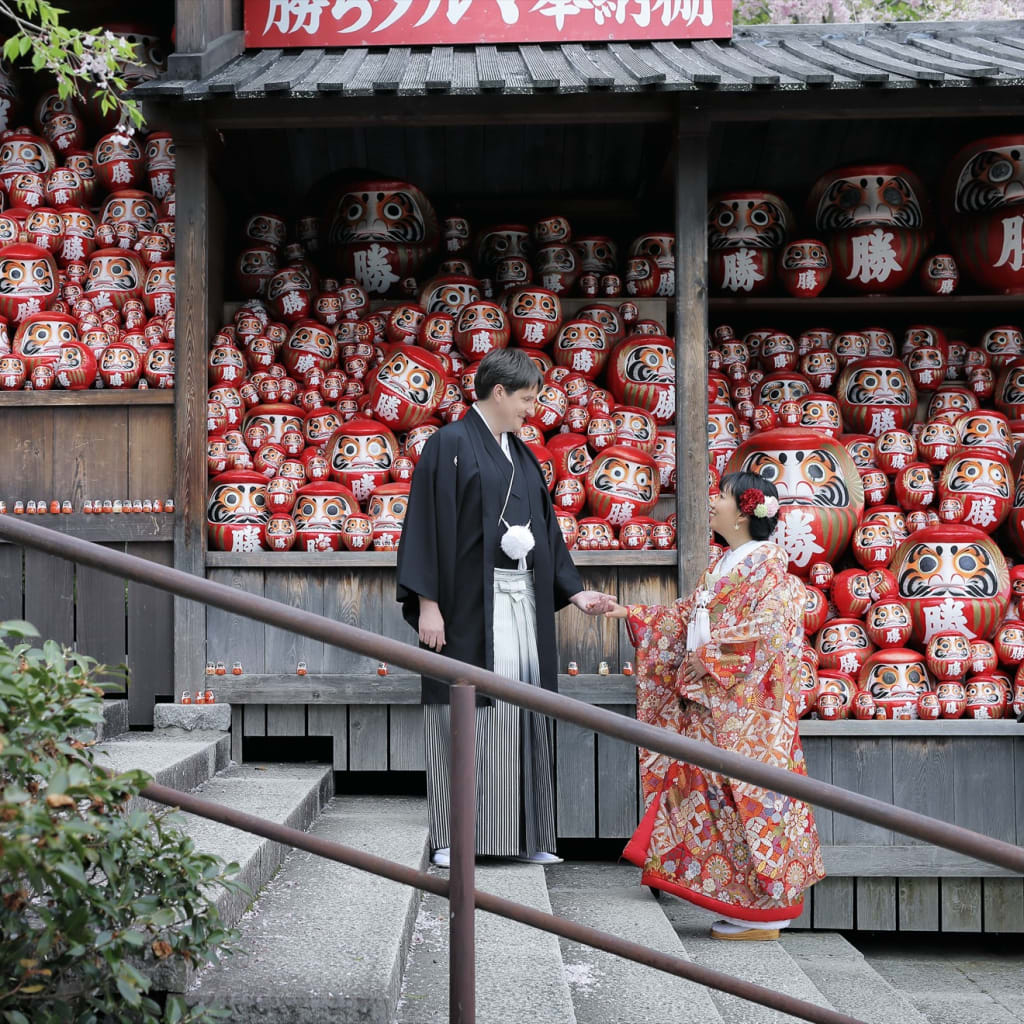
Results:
x,y
512,368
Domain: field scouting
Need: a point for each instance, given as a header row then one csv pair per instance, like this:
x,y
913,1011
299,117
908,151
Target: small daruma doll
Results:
x,y
805,268
320,511
406,388
39,337
236,512
28,281
642,373
114,277
981,479
360,455
896,678
534,315
953,577
387,513
621,483
876,394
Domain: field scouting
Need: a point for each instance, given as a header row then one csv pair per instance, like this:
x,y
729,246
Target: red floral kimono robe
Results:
x,y
727,846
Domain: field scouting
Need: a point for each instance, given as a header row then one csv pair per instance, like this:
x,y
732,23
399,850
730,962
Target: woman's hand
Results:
x,y
617,611
693,669
593,602
431,625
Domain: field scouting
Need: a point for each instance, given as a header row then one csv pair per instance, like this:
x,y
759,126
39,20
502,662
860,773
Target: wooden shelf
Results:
x,y
954,727
398,687
650,309
874,307
386,559
152,396
108,527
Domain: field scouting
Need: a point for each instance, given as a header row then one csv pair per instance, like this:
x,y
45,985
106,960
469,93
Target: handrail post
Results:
x,y
461,908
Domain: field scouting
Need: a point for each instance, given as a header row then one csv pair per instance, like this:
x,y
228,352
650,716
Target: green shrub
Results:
x,y
90,890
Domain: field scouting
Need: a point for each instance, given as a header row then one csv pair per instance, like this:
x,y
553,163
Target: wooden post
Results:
x,y
197,232
691,344
198,22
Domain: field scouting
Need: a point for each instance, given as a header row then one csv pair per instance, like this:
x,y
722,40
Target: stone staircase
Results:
x,y
323,942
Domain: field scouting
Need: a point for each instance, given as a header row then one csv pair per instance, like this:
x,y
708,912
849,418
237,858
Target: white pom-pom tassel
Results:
x,y
517,542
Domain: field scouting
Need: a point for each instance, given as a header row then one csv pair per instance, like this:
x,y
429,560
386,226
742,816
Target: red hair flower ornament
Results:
x,y
757,504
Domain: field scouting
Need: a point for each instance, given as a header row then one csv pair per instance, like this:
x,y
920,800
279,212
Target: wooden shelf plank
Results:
x,y
865,861
398,687
1005,727
880,305
383,559
131,526
152,396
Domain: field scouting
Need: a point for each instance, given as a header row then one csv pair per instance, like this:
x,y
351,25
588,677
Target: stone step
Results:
x,y
605,987
764,963
959,982
290,794
847,980
177,761
115,719
325,942
519,974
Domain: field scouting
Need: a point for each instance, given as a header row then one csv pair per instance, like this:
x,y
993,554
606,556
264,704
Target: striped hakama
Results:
x,y
514,784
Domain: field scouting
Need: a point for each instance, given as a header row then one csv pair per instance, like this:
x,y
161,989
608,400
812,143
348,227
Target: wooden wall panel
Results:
x,y
150,639
575,781
12,594
100,617
232,638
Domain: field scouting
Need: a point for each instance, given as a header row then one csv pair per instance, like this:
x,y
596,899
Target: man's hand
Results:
x,y
593,602
431,625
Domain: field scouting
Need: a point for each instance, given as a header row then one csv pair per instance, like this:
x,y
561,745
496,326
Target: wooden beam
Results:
x,y
217,53
132,526
691,138
90,398
199,232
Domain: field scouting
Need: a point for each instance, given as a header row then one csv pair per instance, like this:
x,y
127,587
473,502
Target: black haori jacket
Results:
x,y
451,544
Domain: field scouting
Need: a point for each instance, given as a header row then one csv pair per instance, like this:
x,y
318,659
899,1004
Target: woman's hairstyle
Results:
x,y
737,484
512,368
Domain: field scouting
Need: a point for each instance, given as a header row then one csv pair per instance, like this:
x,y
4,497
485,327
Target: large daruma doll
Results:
x,y
821,496
952,577
622,483
745,232
237,511
983,200
406,388
877,221
382,231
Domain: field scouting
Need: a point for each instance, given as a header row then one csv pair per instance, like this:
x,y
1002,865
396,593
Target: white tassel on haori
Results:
x,y
698,631
518,542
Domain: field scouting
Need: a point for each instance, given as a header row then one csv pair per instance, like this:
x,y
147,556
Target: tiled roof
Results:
x,y
794,58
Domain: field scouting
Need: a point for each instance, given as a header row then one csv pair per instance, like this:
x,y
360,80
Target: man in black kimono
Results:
x,y
482,569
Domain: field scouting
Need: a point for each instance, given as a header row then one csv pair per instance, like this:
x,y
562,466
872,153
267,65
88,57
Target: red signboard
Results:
x,y
333,23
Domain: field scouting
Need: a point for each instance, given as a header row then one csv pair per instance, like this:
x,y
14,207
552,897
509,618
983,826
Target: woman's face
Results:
x,y
725,516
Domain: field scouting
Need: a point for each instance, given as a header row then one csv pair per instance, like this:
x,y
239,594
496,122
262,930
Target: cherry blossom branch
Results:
x,y
78,60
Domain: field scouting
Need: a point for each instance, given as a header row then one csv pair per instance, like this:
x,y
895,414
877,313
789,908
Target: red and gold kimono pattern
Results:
x,y
730,847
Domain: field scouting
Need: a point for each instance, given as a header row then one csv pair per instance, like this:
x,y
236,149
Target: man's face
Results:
x,y
514,407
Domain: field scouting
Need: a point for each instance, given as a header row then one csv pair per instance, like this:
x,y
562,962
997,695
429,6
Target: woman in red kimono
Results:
x,y
722,666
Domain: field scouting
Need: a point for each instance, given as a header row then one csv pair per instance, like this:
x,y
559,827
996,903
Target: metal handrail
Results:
x,y
459,890
498,905
554,705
